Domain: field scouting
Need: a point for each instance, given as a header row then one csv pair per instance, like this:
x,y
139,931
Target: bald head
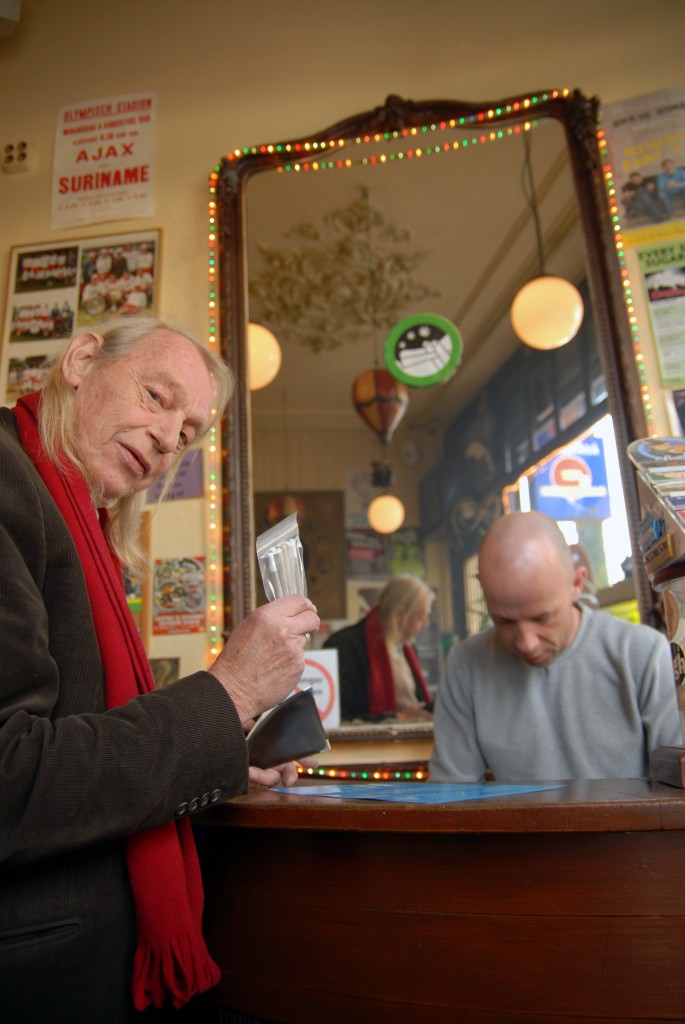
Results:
x,y
522,542
530,585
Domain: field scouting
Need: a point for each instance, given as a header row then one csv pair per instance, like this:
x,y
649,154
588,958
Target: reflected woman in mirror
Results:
x,y
379,671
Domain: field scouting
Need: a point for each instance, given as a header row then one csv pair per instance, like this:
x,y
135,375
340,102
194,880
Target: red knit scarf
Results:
x,y
381,682
171,959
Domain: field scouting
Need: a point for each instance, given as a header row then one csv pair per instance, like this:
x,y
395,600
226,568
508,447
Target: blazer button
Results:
x,y
205,800
181,809
194,804
215,794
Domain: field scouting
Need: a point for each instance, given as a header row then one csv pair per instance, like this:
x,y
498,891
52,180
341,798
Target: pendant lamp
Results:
x,y
264,356
386,512
381,401
547,312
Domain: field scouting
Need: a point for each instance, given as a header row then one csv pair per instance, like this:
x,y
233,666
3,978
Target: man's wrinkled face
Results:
x,y
133,416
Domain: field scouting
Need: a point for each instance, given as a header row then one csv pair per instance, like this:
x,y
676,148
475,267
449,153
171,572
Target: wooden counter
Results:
x,y
566,905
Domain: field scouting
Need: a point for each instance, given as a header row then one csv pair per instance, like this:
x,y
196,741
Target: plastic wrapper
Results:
x,y
293,728
280,558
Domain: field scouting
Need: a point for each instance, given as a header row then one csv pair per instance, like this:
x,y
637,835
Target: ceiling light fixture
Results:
x,y
381,401
547,312
264,356
386,512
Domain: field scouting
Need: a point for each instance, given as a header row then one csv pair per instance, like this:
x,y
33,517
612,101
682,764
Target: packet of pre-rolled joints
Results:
x,y
281,561
293,729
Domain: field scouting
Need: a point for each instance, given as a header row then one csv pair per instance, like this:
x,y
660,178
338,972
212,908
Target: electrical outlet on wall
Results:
x,y
18,156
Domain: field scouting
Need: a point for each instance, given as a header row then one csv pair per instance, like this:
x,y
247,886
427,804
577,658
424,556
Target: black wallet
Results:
x,y
290,731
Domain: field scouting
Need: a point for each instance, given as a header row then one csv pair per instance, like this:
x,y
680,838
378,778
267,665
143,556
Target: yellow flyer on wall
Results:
x,y
663,271
104,160
645,136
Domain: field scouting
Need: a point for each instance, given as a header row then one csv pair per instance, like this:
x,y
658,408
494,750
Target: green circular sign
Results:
x,y
423,350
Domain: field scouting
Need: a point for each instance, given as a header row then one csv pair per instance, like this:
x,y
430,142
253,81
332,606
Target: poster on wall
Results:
x,y
188,482
646,141
367,557
373,556
663,272
406,553
104,160
179,596
56,288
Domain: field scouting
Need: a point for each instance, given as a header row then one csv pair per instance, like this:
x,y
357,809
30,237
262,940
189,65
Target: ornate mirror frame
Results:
x,y
579,116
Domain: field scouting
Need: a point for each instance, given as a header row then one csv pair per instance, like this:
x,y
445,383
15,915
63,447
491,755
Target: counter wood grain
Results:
x,y
565,906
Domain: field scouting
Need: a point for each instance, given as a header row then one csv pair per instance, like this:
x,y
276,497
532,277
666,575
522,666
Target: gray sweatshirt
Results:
x,y
595,712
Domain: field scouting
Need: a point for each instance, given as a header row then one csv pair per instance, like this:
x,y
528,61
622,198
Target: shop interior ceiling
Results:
x,y
467,218
336,258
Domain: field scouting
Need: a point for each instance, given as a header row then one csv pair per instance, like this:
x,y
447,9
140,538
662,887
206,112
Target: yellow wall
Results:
x,y
229,74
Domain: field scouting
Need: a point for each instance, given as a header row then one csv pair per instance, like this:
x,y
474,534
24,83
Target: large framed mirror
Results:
x,y
411,207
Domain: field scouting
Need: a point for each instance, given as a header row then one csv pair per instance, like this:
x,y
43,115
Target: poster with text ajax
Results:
x,y
104,160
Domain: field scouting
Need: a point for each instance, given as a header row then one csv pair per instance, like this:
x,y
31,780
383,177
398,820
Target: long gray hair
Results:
x,y
401,590
58,424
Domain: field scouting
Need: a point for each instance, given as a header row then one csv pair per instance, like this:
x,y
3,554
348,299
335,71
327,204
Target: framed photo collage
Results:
x,y
58,288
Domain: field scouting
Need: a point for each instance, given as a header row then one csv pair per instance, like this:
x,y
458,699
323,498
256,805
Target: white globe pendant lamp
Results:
x,y
385,513
264,356
547,312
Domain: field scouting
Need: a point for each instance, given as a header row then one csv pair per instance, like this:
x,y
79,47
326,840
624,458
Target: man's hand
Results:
x,y
282,774
263,658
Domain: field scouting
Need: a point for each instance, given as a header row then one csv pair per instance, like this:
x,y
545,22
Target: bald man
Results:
x,y
554,690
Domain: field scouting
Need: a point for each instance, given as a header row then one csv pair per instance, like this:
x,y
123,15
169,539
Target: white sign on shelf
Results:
x,y
321,675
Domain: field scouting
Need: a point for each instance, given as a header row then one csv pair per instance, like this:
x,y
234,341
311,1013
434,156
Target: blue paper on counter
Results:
x,y
413,792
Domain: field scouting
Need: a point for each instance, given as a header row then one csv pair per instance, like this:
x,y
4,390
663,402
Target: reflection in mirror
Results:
x,y
424,217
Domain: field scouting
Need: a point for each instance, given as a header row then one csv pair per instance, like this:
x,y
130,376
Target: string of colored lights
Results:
x,y
367,774
313,155
608,172
214,562
302,151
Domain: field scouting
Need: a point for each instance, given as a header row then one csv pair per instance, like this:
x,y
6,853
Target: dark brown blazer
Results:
x,y
74,778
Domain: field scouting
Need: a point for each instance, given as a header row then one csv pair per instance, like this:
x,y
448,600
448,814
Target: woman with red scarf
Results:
x,y
100,890
378,669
